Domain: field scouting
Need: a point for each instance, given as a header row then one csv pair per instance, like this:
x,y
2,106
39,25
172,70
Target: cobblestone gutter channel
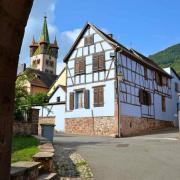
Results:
x,y
70,165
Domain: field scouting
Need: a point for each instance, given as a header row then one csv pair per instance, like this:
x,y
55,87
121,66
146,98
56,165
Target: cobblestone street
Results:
x,y
70,164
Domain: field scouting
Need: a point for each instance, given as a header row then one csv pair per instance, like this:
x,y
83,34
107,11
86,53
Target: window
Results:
x,y
38,61
99,96
79,66
51,63
163,103
145,73
46,70
47,62
58,99
176,87
144,97
98,62
79,99
158,79
164,81
89,40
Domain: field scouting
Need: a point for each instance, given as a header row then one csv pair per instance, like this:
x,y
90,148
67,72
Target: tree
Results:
x,y
25,101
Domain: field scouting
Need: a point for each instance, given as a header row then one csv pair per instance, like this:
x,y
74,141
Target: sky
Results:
x,y
147,26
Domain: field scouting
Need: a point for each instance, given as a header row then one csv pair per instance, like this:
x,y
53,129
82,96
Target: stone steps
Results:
x,y
48,176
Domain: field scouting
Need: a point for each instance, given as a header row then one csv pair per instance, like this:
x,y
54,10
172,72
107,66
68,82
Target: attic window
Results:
x,y
89,40
58,99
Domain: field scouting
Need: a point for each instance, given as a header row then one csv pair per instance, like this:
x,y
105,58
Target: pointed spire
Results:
x,y
55,41
33,40
44,34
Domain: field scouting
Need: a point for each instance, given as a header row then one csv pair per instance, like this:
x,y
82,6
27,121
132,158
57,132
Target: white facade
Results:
x,y
91,79
133,71
55,108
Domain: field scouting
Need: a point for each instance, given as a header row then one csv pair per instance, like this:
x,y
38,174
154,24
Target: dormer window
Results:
x,y
89,40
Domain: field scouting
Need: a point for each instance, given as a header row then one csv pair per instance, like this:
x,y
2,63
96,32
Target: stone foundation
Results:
x,y
102,126
107,126
132,126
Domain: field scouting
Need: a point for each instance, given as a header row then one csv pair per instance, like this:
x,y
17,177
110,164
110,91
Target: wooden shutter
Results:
x,y
89,40
101,59
149,99
145,73
77,66
141,95
86,99
96,97
82,66
101,96
95,62
71,101
163,104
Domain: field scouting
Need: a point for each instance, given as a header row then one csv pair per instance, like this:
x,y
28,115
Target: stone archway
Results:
x,y
13,19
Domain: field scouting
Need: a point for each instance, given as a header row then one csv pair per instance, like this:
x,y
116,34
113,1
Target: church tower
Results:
x,y
43,54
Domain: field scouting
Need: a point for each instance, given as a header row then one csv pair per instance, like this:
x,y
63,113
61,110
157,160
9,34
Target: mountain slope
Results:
x,y
168,57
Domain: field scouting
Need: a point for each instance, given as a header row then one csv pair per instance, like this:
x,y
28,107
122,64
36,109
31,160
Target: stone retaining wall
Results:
x,y
25,128
132,126
107,126
91,126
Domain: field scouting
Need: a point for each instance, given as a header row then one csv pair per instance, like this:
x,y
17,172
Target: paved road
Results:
x,y
151,157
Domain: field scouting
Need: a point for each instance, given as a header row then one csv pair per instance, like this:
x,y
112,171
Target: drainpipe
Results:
x,y
118,79
179,112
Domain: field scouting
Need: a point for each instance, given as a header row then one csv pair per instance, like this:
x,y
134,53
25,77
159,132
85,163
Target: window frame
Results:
x,y
79,91
145,97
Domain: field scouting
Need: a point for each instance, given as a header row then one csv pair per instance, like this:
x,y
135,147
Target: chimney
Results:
x,y
110,35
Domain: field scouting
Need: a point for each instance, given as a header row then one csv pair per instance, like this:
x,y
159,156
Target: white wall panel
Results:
x,y
89,59
85,51
89,78
92,49
98,47
106,46
97,38
79,53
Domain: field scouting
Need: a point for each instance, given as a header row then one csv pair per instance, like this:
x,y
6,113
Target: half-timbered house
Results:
x,y
112,90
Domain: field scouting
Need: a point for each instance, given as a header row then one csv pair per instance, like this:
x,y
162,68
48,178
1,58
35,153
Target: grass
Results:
x,y
23,148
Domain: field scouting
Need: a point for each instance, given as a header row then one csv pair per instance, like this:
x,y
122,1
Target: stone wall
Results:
x,y
107,126
132,126
45,120
25,128
29,127
103,126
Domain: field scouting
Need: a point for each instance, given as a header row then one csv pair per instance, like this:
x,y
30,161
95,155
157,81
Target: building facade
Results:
x,y
112,90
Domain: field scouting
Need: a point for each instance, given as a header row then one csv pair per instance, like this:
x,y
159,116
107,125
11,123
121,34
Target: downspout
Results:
x,y
118,79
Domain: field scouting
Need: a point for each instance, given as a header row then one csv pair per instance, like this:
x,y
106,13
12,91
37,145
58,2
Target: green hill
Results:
x,y
168,57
